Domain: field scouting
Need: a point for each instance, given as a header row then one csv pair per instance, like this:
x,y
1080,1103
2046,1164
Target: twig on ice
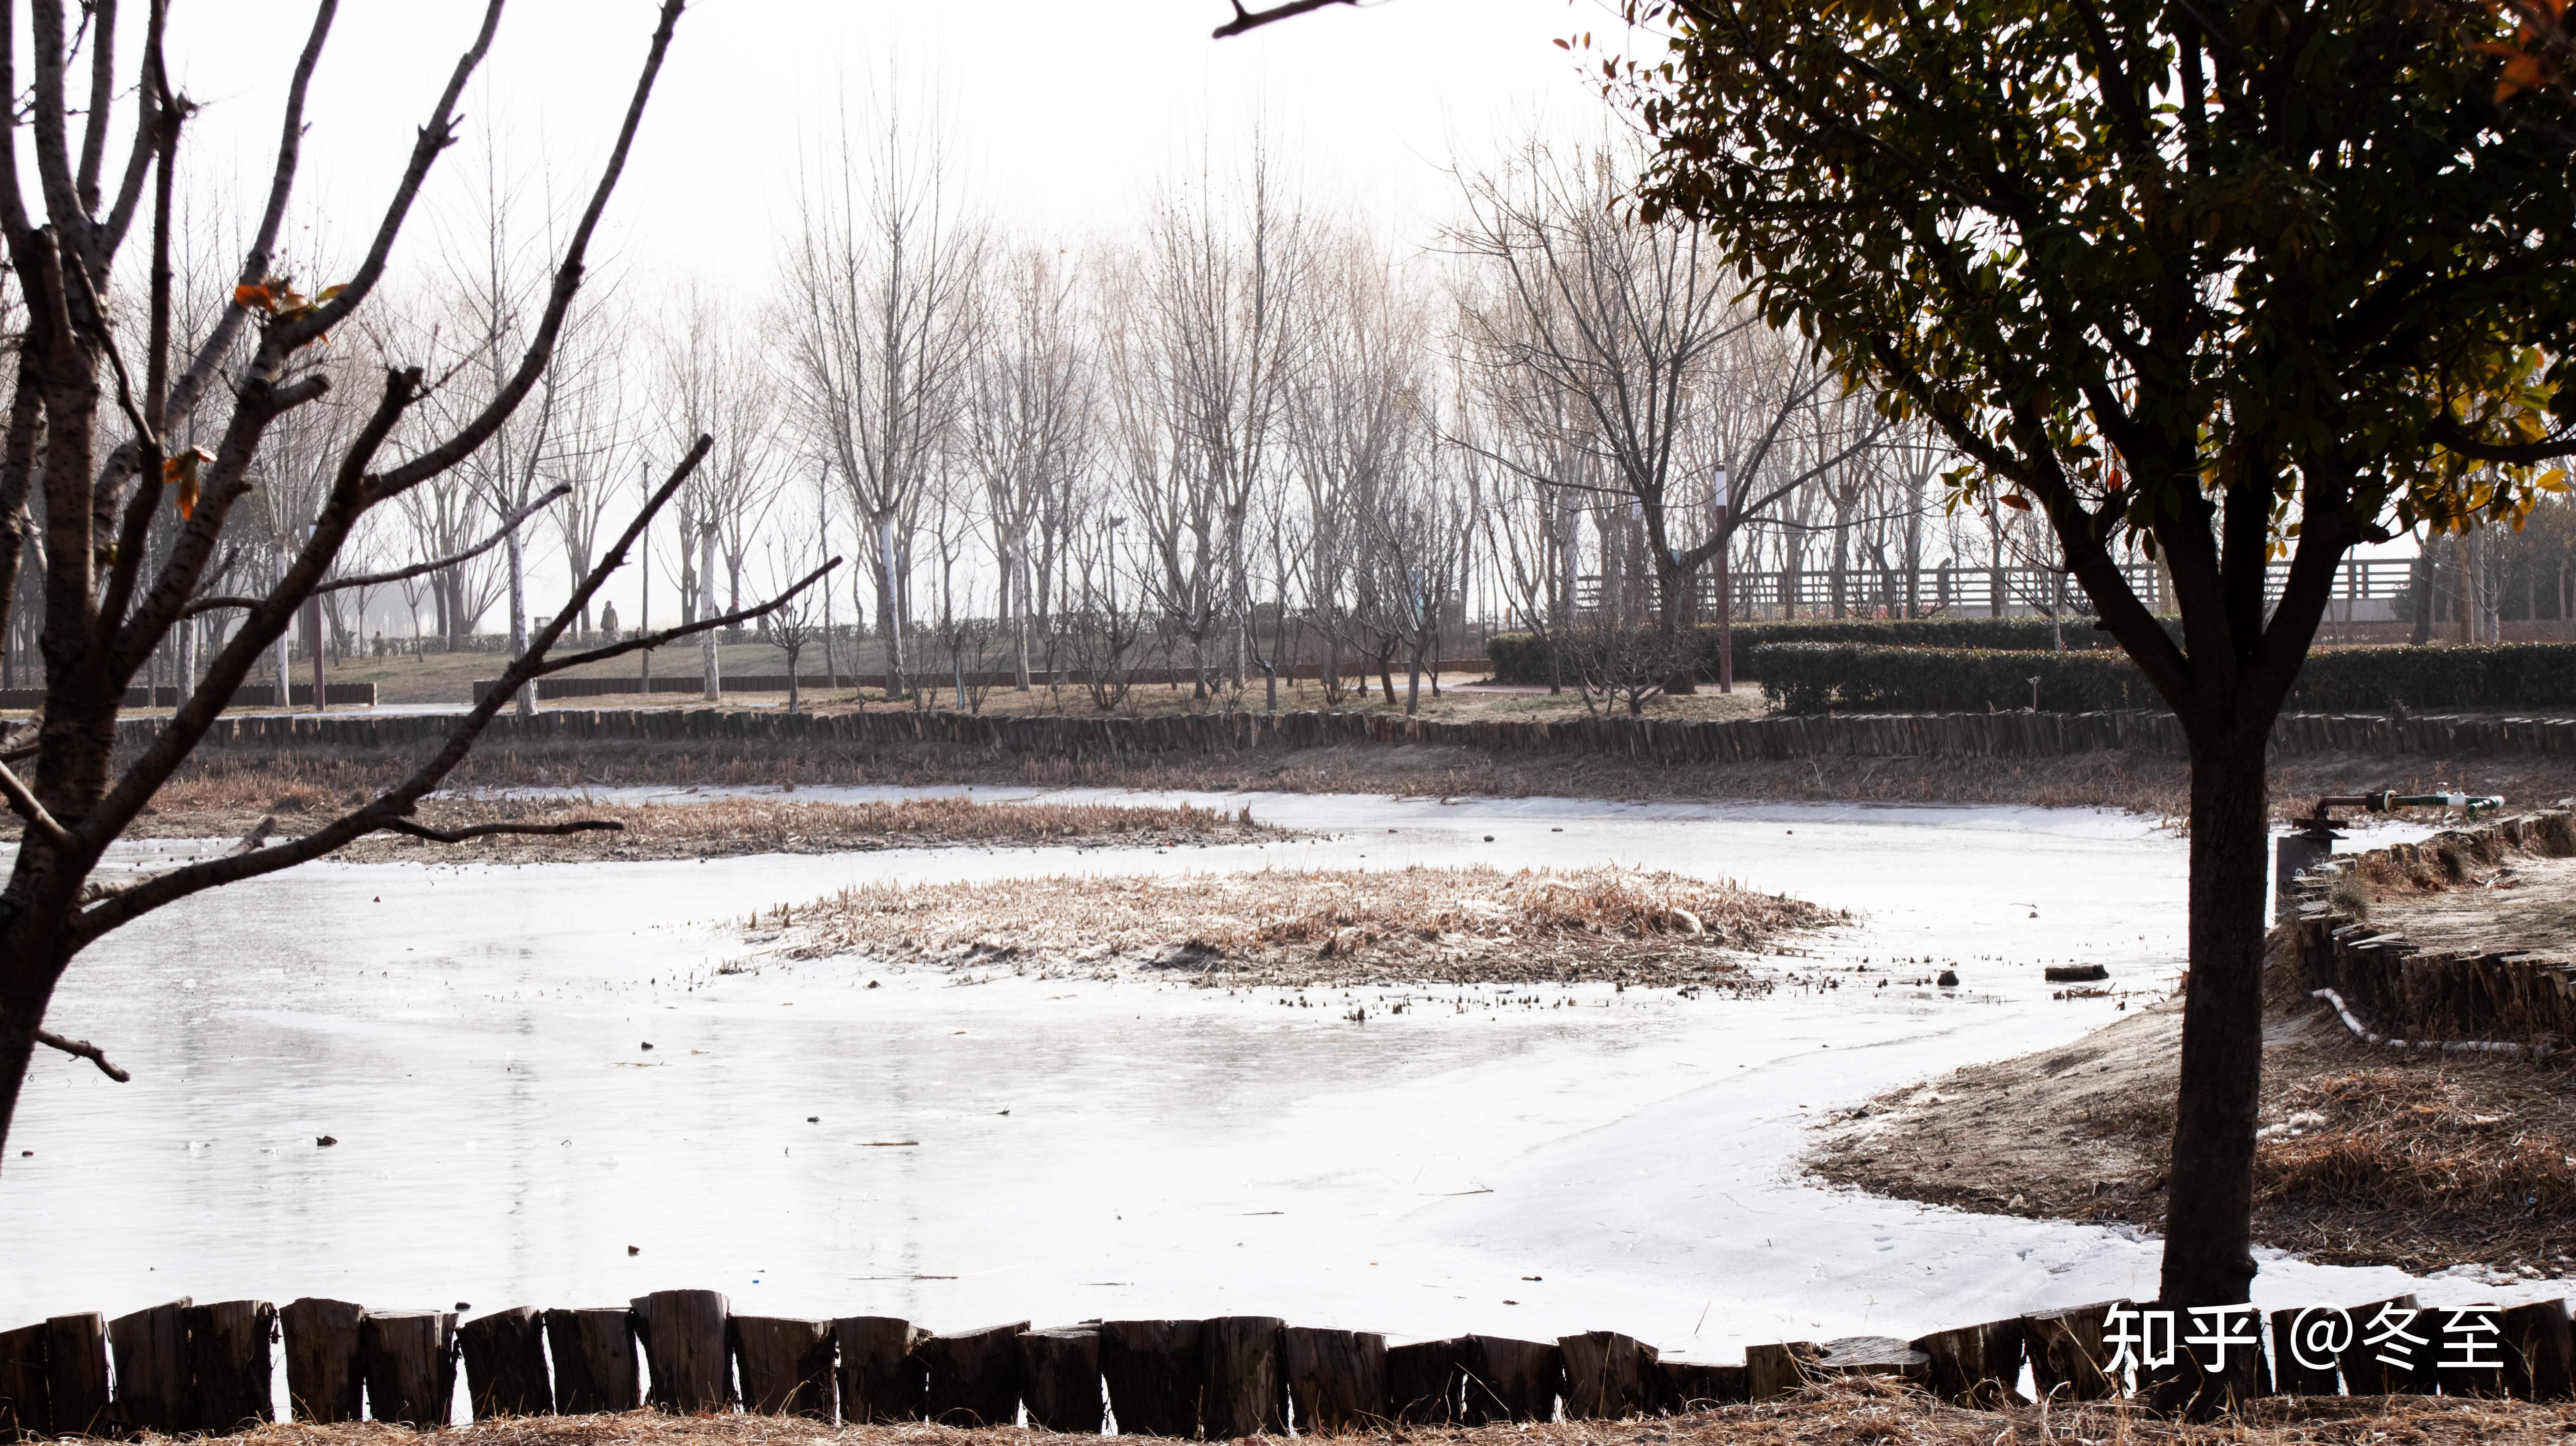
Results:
x,y
85,1050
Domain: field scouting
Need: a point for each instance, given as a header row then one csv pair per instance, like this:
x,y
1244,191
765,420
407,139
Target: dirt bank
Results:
x,y
2367,1156
2140,783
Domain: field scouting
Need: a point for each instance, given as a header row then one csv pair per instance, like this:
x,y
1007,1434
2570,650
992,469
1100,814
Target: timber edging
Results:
x,y
1671,741
2496,996
186,1368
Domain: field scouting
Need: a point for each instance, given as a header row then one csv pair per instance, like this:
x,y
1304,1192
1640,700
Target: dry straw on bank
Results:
x,y
769,823
1860,1412
1475,923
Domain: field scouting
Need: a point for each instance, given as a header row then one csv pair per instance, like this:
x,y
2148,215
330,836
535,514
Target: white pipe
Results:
x,y
2456,1046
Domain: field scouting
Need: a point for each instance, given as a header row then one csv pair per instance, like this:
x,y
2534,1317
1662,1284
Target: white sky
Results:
x,y
1061,113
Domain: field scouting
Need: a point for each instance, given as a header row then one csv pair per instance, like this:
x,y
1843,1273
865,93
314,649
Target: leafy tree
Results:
x,y
2214,282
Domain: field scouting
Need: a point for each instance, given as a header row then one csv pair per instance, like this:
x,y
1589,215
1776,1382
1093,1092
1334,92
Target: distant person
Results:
x,y
608,622
380,642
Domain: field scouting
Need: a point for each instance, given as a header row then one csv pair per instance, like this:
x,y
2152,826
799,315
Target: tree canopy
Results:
x,y
2215,281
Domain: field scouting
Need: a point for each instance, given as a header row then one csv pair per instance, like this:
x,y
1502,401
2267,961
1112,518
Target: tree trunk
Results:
x,y
1679,616
711,670
525,704
889,616
2210,1191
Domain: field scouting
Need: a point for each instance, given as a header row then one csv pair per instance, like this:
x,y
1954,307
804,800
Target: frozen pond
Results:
x,y
1054,1149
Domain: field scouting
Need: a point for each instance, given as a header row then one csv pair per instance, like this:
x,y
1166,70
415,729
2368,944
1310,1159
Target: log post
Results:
x,y
325,1374
1060,1380
410,1361
2067,1354
2539,1357
76,1374
151,1349
505,1364
1608,1376
1336,1379
594,1360
1241,1393
1697,1386
2298,1377
785,1365
685,1350
229,1366
1151,1368
880,1375
2364,1374
24,1415
1424,1381
1509,1380
1778,1370
2481,1323
974,1376
1977,1366
1874,1356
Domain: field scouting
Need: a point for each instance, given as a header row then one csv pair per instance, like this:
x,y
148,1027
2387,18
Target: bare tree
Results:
x,y
1201,355
103,616
1028,422
715,382
878,297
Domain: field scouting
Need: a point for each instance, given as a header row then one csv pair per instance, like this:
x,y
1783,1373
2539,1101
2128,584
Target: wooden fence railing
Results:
x,y
182,1367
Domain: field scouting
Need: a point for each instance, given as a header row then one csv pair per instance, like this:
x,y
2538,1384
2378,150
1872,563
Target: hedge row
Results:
x,y
1854,678
1861,678
2375,680
1522,657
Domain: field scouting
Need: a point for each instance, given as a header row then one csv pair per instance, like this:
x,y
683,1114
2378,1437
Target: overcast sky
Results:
x,y
1062,113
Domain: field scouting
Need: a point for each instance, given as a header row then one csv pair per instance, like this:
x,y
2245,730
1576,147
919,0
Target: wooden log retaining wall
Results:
x,y
2402,991
932,680
1667,741
184,1368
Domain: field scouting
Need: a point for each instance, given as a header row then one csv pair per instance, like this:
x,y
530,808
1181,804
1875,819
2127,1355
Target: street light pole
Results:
x,y
1725,591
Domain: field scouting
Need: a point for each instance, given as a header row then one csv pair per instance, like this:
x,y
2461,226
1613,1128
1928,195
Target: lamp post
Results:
x,y
1725,592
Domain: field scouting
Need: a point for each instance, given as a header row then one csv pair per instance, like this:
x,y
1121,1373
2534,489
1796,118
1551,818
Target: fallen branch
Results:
x,y
2450,1046
486,830
86,1050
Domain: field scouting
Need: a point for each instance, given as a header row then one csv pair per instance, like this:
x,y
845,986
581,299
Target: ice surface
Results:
x,y
472,1037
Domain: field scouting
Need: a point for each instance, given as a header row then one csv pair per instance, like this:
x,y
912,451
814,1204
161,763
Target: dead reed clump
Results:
x,y
1470,924
766,823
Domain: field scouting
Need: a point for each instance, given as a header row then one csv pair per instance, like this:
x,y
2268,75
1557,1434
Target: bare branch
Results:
x,y
685,630
85,1050
379,579
24,802
1248,20
541,345
486,830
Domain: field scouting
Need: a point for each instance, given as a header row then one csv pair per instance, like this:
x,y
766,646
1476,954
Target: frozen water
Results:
x,y
992,1148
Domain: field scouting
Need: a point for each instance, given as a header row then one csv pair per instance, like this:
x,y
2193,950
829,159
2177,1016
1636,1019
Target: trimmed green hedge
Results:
x,y
1522,657
2375,680
1852,678
1860,678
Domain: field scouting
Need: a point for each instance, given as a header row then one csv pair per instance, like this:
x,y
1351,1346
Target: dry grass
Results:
x,y
1472,924
1853,1412
229,804
2367,1157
